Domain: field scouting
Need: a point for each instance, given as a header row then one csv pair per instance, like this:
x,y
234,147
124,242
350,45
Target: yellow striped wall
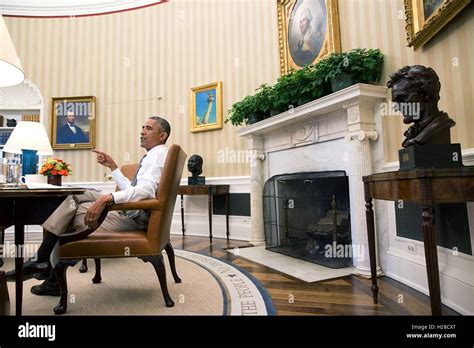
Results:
x,y
145,61
129,60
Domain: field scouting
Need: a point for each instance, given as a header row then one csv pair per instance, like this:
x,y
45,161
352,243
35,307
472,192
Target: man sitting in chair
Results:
x,y
78,212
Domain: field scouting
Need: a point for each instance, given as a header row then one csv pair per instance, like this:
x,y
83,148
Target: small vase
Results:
x,y
54,180
254,118
341,81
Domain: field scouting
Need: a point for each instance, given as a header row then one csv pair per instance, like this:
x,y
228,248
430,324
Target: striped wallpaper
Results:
x,y
145,61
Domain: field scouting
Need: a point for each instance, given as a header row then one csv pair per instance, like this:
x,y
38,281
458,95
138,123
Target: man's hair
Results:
x,y
421,78
164,125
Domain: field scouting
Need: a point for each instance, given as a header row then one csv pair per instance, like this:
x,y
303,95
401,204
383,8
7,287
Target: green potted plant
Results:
x,y
263,103
281,93
240,111
337,71
358,65
316,86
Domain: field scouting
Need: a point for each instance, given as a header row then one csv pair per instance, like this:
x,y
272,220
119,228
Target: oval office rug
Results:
x,y
130,287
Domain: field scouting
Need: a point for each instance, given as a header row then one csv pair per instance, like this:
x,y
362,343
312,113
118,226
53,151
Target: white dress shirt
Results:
x,y
148,177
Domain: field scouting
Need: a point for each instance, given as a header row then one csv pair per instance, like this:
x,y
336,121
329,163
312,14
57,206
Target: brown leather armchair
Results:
x,y
146,245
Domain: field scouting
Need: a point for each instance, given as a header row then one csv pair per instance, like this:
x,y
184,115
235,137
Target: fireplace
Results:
x,y
337,132
307,215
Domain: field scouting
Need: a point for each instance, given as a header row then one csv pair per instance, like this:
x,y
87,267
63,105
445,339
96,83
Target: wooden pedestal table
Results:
x,y
427,187
210,191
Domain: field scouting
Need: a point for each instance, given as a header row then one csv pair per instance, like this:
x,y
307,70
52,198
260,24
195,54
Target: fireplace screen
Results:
x,y
306,215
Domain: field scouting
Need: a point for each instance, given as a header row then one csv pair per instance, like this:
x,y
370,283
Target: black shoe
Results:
x,y
31,269
46,289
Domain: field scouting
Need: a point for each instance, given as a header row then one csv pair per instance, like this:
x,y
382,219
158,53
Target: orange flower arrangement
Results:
x,y
55,166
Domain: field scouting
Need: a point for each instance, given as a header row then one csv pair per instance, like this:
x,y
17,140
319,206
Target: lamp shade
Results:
x,y
11,72
29,136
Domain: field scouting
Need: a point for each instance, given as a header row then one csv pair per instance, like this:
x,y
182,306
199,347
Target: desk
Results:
x,y
20,207
427,187
210,191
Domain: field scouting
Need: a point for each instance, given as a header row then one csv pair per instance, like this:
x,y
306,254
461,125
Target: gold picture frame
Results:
x,y
206,107
319,19
424,18
73,123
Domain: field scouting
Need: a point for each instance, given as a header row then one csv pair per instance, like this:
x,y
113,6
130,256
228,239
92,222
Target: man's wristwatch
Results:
x,y
109,203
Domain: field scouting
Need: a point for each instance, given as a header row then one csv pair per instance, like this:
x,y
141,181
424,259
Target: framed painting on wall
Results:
x,y
73,123
206,107
424,18
308,30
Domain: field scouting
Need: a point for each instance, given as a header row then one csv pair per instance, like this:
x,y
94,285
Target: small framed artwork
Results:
x,y
308,31
73,123
206,107
424,18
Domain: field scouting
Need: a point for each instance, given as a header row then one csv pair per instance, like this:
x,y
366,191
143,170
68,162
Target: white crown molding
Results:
x,y
68,8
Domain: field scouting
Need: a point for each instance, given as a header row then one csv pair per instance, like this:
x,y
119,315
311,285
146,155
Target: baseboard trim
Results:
x,y
413,274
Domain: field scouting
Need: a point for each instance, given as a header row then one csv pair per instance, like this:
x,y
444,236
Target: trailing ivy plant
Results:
x,y
307,84
363,65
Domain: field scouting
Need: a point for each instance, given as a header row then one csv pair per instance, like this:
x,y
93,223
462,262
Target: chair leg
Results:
x,y
170,253
84,267
159,265
60,271
97,278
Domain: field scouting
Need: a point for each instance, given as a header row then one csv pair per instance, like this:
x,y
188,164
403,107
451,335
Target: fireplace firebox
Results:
x,y
306,215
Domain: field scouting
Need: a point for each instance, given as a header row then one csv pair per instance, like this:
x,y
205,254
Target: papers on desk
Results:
x,y
41,186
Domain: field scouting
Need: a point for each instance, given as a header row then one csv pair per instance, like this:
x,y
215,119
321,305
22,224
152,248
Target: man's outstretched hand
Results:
x,y
93,213
105,159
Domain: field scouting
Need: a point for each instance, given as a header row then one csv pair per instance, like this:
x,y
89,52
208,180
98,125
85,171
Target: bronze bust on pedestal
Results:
x,y
415,92
195,167
427,144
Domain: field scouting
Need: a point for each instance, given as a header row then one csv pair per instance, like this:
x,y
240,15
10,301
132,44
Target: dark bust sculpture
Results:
x,y
415,92
195,167
11,122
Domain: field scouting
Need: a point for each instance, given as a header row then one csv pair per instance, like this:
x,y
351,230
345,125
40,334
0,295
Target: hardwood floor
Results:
x,y
349,295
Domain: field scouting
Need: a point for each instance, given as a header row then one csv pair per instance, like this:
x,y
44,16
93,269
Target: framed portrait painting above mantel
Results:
x,y
73,123
424,18
206,107
308,31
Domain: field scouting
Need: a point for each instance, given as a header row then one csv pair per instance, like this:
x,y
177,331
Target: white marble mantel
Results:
x,y
335,132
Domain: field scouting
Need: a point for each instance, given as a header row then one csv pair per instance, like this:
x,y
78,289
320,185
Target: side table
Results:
x,y
210,191
427,187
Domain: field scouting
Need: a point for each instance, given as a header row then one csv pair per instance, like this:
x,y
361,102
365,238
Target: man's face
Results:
x,y
70,117
408,101
192,163
304,23
151,135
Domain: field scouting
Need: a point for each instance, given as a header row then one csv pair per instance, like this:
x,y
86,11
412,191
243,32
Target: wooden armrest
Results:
x,y
146,204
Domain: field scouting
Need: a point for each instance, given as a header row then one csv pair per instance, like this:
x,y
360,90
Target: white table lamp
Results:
x,y
29,139
11,72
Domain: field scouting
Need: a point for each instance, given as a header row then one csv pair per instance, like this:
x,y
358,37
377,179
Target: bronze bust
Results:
x,y
195,165
415,93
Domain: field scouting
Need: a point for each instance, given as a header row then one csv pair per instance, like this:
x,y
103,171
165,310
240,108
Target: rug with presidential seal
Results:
x,y
209,286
